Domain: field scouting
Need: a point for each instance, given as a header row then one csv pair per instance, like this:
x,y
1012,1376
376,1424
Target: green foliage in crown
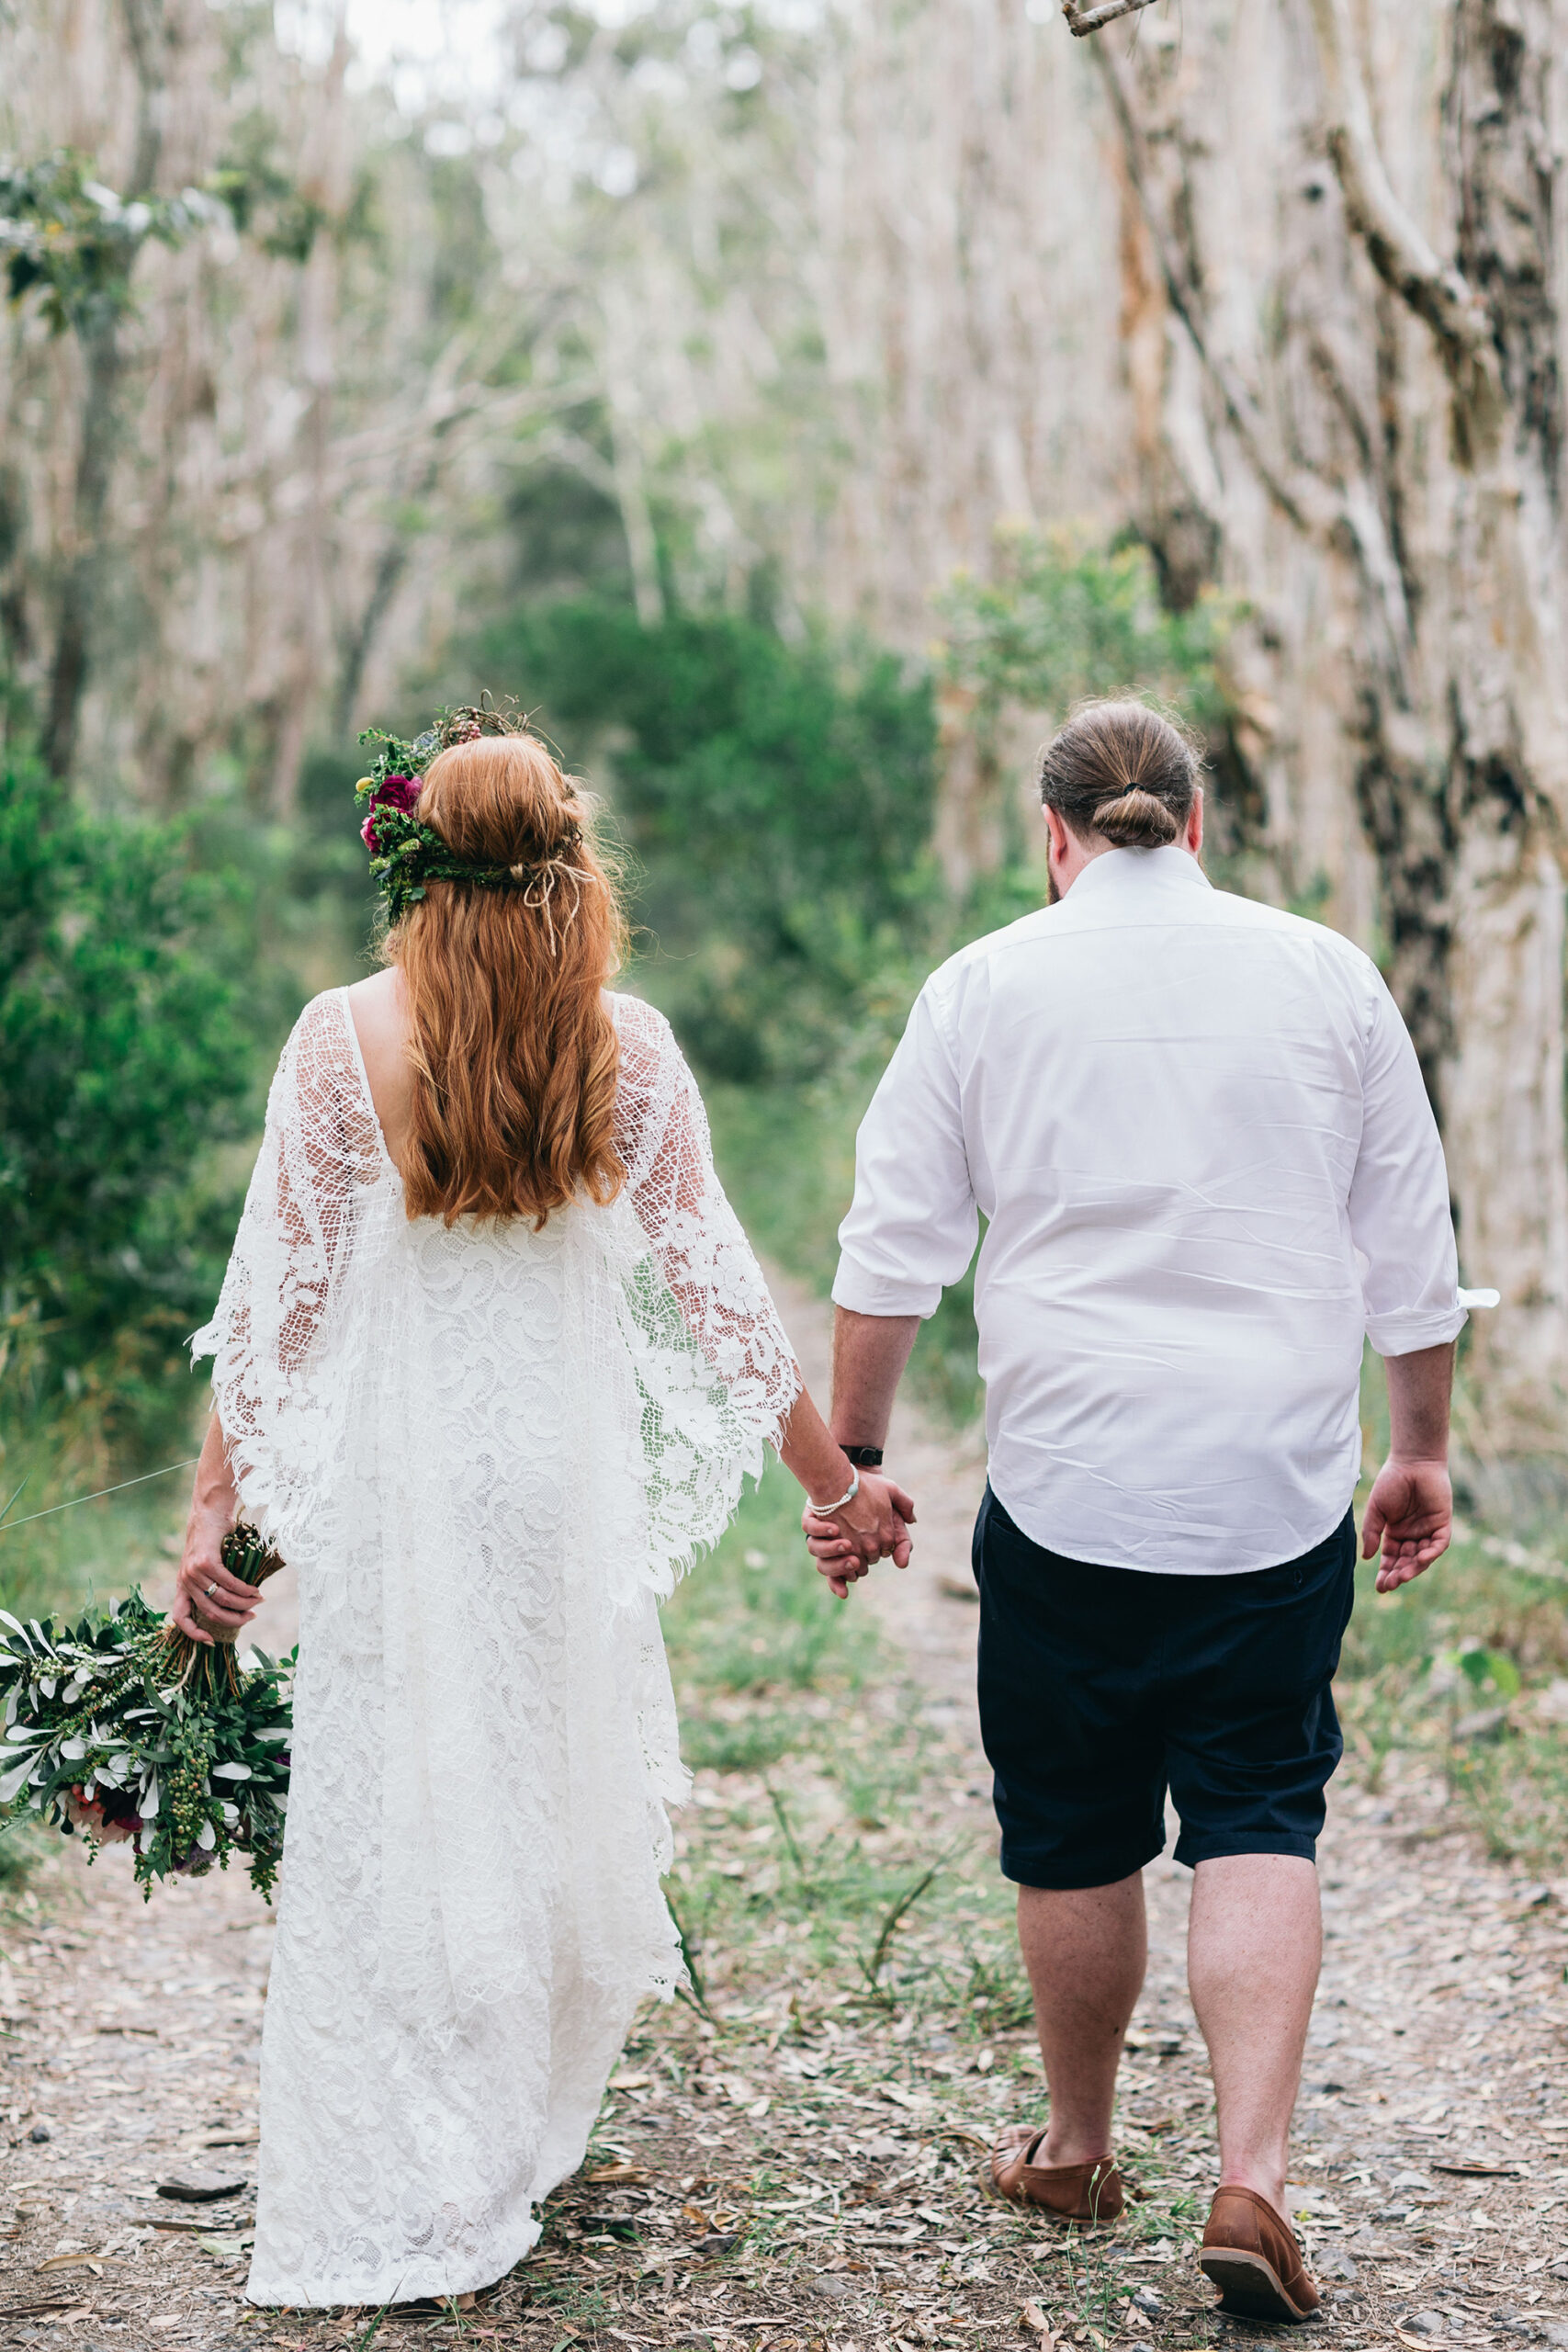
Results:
x,y
405,856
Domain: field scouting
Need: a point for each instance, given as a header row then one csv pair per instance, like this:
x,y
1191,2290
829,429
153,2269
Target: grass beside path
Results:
x,y
1466,1673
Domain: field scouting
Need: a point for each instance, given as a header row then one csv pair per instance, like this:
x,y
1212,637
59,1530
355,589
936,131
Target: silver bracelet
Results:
x,y
826,1511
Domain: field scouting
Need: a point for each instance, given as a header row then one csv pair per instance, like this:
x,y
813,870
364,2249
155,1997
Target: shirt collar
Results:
x,y
1170,868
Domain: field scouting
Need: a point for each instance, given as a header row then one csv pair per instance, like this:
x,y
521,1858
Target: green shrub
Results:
x,y
1063,615
122,1060
778,798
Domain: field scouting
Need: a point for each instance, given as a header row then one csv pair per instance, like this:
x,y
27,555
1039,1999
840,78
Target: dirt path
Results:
x,y
796,2168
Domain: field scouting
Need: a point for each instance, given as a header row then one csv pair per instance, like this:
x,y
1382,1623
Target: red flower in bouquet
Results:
x,y
107,1828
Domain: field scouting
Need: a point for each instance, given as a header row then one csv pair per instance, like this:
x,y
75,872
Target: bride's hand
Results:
x,y
874,1526
208,1598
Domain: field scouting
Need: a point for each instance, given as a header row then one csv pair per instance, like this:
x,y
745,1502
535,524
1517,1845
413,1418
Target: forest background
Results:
x,y
797,405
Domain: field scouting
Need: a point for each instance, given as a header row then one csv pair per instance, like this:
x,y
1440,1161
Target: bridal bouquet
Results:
x,y
124,1728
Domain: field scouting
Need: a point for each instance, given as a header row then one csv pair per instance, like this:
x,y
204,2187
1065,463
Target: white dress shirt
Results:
x,y
1198,1131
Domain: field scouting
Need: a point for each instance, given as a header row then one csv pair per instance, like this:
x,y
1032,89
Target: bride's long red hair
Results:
x,y
513,1045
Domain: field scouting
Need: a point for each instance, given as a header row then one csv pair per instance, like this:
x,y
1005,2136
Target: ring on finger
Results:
x,y
210,1589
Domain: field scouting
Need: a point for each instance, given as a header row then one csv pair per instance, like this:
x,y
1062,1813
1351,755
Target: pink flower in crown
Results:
x,y
399,792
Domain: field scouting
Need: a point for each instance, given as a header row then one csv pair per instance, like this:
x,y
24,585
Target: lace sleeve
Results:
x,y
320,1154
702,1252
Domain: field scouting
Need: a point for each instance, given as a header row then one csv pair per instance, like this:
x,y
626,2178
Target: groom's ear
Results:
x,y
1195,822
1056,832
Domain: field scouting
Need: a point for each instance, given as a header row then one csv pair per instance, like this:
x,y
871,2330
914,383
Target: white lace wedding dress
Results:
x,y
488,1453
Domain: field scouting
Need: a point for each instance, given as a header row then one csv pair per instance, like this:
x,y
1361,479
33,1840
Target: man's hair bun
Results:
x,y
1137,819
1123,772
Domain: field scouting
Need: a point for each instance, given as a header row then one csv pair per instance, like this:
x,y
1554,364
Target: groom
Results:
x,y
1198,1133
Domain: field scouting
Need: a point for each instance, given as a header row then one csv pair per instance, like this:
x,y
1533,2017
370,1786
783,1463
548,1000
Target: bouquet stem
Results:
x,y
210,1668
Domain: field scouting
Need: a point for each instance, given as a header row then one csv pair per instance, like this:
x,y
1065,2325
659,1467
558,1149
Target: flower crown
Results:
x,y
406,857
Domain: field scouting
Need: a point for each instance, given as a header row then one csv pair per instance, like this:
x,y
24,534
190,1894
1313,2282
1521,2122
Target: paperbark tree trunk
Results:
x,y
1348,356
104,365
325,180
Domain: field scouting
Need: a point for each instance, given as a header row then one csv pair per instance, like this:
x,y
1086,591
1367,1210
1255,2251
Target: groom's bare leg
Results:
x,y
1253,1945
1086,1950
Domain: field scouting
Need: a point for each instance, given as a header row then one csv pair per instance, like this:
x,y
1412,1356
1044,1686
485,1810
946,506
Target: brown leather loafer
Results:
x,y
1253,2259
1092,2194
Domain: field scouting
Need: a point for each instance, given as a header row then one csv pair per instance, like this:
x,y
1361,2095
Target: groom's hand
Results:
x,y
1410,1515
876,1526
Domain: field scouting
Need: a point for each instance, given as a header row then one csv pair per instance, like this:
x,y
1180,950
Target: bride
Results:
x,y
491,1358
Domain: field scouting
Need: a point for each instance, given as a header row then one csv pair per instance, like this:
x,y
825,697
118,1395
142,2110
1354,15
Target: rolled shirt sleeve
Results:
x,y
1400,1220
913,1224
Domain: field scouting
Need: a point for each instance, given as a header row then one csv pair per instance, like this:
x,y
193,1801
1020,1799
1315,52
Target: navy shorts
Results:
x,y
1101,1688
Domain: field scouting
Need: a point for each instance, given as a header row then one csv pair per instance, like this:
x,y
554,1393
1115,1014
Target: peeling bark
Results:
x,y
1372,375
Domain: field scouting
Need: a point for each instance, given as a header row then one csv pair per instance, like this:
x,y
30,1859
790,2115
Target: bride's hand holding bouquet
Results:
x,y
211,1605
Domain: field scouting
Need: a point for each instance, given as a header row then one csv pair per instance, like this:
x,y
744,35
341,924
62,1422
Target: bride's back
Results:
x,y
487,1451
489,1045
381,1025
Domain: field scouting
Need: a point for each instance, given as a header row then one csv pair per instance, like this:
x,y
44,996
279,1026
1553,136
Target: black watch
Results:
x,y
864,1457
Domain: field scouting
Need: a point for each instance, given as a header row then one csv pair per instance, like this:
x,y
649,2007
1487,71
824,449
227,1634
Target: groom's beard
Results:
x,y
1053,896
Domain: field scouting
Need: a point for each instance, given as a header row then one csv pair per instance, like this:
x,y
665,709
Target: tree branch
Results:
x,y
1089,20
1435,290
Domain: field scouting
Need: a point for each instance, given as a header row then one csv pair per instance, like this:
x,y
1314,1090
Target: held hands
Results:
x,y
1410,1513
876,1526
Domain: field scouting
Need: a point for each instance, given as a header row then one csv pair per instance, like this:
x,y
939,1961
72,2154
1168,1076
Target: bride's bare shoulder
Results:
x,y
380,1023
375,1003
